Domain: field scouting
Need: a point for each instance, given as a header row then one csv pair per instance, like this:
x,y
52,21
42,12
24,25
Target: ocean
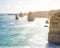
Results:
x,y
23,34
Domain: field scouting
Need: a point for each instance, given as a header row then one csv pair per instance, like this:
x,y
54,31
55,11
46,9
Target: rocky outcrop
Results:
x,y
21,14
31,16
16,17
54,28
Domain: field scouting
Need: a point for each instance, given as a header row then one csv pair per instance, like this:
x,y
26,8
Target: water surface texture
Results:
x,y
23,34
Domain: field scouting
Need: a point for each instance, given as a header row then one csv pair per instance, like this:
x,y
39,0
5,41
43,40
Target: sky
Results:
x,y
16,6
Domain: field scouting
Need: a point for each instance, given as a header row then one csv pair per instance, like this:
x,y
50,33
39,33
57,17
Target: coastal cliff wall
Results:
x,y
41,14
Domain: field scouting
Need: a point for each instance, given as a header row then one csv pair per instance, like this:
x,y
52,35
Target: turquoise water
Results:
x,y
23,34
8,32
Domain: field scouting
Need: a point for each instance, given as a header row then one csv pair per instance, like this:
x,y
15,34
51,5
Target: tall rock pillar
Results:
x,y
54,28
31,16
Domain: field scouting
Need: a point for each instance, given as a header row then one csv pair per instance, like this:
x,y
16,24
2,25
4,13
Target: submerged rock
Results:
x,y
47,22
45,26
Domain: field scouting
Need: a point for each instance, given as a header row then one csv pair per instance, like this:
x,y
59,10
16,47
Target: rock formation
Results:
x,y
54,28
16,16
41,14
31,16
21,14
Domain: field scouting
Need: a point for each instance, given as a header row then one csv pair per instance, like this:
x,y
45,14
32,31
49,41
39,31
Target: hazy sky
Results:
x,y
16,6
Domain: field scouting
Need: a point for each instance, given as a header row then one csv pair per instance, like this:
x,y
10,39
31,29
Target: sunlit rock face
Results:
x,y
54,28
31,16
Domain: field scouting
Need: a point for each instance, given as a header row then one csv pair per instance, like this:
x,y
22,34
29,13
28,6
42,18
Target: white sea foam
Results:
x,y
35,35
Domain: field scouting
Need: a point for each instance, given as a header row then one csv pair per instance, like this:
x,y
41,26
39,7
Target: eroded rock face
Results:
x,y
54,28
31,16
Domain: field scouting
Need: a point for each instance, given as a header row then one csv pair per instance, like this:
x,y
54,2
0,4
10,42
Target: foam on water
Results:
x,y
23,34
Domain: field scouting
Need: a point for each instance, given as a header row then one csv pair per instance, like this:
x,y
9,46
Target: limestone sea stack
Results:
x,y
54,28
20,14
31,16
16,17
